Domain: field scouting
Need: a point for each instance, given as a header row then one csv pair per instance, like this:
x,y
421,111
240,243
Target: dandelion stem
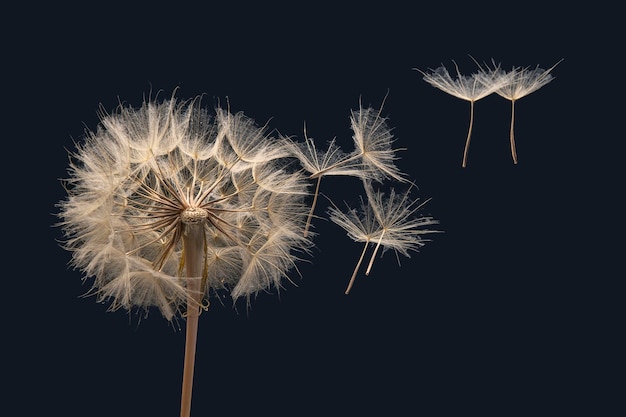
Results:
x,y
193,246
308,219
469,134
513,151
356,268
369,266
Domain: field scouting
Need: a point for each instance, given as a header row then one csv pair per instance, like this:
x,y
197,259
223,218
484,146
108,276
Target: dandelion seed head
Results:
x,y
148,176
373,141
524,81
471,87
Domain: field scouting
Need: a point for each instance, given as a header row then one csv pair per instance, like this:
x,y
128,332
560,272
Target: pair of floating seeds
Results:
x,y
512,85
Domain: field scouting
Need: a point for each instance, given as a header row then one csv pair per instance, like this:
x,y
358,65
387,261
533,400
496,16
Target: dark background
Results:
x,y
511,311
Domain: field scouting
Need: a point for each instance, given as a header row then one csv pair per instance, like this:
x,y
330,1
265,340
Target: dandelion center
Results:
x,y
194,215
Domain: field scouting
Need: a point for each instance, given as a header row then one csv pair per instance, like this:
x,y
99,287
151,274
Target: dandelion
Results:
x,y
372,159
523,81
320,163
467,87
167,205
373,141
388,221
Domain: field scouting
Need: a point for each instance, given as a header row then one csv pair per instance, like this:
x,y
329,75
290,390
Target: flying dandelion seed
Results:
x,y
319,163
467,87
372,159
387,221
167,204
523,81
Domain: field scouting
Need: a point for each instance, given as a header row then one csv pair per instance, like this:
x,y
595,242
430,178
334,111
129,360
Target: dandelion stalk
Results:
x,y
193,248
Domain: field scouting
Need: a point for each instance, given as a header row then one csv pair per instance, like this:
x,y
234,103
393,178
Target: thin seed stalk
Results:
x,y
469,134
512,137
356,268
308,219
193,248
369,266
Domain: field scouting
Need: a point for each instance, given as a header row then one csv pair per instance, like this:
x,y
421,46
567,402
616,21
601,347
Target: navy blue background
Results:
x,y
505,313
